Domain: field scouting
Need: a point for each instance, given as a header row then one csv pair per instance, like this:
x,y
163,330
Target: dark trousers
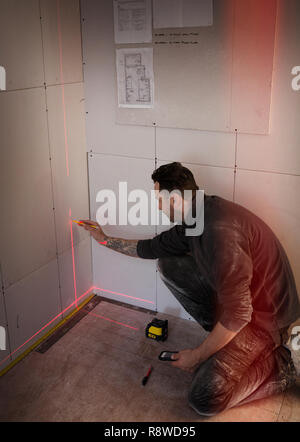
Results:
x,y
251,366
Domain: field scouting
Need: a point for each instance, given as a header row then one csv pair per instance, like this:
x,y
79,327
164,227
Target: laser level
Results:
x,y
157,329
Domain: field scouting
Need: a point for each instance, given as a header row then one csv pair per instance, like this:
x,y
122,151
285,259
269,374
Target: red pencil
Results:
x,y
145,380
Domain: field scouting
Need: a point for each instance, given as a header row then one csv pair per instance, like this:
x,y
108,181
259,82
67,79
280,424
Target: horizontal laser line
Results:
x,y
122,294
112,320
45,326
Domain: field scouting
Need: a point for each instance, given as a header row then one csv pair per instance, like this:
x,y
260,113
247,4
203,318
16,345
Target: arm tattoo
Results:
x,y
125,246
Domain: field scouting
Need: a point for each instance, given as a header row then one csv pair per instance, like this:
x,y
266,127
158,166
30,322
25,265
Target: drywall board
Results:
x,y
31,304
107,173
75,276
27,238
113,271
253,53
66,118
103,134
192,76
4,337
279,151
208,78
194,146
124,278
274,198
182,13
62,41
21,43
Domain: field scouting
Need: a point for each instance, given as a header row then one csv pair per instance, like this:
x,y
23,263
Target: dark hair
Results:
x,y
175,176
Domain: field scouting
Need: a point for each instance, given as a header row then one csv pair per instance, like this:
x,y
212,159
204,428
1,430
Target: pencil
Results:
x,y
91,225
145,379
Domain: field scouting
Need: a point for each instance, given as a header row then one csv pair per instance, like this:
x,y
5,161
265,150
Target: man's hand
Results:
x,y
97,234
187,360
126,246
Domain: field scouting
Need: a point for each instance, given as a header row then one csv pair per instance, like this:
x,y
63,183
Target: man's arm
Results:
x,y
217,339
125,246
189,359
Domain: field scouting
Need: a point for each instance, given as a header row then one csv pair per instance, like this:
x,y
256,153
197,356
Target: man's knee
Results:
x,y
209,393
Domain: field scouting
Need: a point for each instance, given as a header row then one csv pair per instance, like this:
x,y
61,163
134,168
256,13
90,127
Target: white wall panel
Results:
x,y
21,43
27,238
106,172
252,68
124,278
274,198
69,159
112,270
280,150
31,304
193,146
62,41
83,273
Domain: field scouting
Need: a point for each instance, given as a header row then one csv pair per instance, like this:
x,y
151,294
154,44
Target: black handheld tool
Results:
x,y
166,355
145,379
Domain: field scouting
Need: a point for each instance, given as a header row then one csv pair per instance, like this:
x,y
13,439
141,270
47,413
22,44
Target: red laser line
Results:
x,y
122,294
112,320
62,84
73,258
50,322
67,308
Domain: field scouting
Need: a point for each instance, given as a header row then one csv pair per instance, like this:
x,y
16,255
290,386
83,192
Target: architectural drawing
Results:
x,y
135,77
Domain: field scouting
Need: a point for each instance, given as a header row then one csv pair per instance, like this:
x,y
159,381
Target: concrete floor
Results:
x,y
94,373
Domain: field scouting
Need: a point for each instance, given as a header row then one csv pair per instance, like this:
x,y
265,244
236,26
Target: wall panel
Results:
x,y
27,238
21,43
112,270
62,41
31,304
279,151
275,198
74,286
194,146
68,154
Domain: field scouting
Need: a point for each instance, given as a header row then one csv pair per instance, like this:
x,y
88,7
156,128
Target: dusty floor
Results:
x,y
94,373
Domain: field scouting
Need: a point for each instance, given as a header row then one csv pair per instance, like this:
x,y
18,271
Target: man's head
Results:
x,y
170,177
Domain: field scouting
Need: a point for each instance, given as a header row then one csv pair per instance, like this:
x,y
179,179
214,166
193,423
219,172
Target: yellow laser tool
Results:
x,y
157,329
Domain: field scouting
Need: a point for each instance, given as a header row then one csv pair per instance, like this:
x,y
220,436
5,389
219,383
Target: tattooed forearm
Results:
x,y
125,246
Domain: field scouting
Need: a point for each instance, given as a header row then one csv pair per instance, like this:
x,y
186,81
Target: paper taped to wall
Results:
x,y
135,77
182,13
133,21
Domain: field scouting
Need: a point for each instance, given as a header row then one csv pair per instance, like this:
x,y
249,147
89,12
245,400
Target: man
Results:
x,y
236,281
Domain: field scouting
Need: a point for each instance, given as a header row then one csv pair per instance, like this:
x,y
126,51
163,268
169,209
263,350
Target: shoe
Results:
x,y
293,344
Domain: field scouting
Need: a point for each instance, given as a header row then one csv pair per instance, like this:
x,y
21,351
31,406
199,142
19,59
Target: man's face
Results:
x,y
166,205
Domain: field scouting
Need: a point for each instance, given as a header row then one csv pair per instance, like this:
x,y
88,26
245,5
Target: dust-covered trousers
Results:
x,y
250,367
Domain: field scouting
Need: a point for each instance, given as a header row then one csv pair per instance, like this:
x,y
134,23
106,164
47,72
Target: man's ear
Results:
x,y
177,201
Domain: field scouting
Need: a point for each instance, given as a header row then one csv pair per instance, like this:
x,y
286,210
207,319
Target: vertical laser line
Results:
x,y
73,258
62,84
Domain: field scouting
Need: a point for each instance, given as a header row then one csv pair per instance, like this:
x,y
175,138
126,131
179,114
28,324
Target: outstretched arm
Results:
x,y
125,246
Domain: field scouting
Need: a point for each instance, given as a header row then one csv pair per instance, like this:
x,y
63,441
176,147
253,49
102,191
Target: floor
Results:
x,y
94,373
